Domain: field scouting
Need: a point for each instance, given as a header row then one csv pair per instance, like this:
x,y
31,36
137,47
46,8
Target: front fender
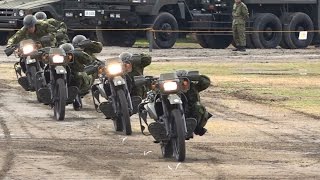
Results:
x,y
174,99
118,81
60,70
30,61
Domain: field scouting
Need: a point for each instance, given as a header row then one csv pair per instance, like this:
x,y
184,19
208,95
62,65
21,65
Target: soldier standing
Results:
x,y
240,14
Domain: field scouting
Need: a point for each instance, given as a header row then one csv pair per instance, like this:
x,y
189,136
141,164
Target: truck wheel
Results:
x,y
298,22
112,38
266,22
201,40
3,38
165,40
218,41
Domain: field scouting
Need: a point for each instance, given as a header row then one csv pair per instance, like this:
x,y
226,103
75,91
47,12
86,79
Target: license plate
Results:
x,y
90,13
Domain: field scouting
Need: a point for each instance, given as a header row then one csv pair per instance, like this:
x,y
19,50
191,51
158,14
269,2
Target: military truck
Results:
x,y
117,22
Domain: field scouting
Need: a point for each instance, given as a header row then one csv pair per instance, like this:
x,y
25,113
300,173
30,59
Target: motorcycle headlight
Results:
x,y
170,86
136,1
114,69
27,49
57,59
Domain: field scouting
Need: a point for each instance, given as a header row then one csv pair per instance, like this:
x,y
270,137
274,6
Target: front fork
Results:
x,y
168,105
55,74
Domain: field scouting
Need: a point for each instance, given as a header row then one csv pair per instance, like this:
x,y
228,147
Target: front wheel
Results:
x,y
32,77
60,99
178,142
125,117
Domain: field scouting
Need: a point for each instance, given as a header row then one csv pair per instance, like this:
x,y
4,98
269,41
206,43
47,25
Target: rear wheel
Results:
x,y
166,149
117,124
77,103
38,84
124,112
179,144
60,99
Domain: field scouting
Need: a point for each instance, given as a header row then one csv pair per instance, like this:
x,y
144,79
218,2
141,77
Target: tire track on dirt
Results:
x,y
20,120
9,157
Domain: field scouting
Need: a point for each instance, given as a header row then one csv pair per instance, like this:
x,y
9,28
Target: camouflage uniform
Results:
x,y
193,106
139,62
240,15
81,79
91,48
42,29
61,28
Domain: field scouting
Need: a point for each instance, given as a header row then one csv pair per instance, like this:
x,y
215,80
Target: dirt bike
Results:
x,y
113,87
30,66
165,105
58,94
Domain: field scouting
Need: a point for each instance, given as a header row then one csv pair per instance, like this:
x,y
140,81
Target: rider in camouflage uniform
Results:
x,y
138,62
88,46
240,14
194,108
33,29
80,79
61,27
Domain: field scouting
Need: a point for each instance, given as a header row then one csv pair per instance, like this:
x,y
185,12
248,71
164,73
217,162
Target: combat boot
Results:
x,y
242,48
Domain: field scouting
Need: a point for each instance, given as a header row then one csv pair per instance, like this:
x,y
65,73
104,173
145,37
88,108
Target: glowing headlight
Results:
x,y
21,13
27,49
57,59
170,86
114,68
136,1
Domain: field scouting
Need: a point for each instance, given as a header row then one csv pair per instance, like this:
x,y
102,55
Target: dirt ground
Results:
x,y
246,140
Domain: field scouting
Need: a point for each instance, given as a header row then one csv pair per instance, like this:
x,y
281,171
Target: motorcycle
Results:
x,y
165,104
57,74
29,65
113,87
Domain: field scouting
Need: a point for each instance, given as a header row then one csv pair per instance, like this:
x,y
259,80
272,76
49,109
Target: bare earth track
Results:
x,y
246,140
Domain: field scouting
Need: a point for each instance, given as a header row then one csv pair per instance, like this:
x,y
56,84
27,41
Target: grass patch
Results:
x,y
291,85
188,42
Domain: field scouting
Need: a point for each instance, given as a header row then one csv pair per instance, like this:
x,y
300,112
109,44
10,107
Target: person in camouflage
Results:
x,y
35,30
88,46
138,62
61,27
193,106
79,78
88,50
240,14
